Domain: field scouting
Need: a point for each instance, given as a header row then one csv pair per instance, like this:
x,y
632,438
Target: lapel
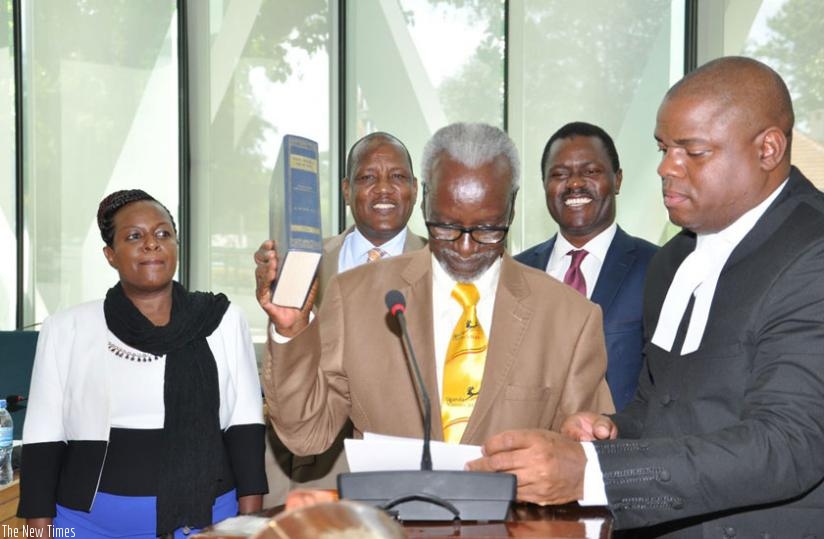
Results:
x,y
510,318
329,262
776,214
617,263
88,391
539,257
413,242
332,247
417,289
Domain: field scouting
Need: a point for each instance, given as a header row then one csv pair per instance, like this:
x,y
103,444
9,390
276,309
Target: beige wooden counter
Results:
x,y
9,496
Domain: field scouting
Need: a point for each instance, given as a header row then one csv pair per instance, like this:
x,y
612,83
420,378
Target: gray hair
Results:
x,y
472,145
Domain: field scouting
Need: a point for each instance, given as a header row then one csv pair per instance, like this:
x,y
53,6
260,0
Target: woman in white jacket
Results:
x,y
145,414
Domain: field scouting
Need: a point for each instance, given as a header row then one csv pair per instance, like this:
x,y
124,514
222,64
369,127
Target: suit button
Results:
x,y
664,475
729,531
678,504
666,398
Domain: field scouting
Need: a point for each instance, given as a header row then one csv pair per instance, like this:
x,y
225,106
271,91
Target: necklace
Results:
x,y
131,356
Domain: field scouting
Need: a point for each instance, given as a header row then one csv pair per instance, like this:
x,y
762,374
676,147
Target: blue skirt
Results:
x,y
126,516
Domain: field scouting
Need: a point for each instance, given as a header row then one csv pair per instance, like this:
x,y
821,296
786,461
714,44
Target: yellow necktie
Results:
x,y
464,366
374,254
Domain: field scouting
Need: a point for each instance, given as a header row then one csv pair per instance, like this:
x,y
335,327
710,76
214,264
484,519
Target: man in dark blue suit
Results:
x,y
582,174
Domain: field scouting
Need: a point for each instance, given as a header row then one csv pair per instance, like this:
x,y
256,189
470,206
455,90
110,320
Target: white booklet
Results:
x,y
376,452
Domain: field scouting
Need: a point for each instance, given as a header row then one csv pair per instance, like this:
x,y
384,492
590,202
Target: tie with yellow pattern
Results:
x,y
464,366
374,254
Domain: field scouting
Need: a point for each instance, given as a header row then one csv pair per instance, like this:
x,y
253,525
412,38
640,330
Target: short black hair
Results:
x,y
582,129
114,202
354,152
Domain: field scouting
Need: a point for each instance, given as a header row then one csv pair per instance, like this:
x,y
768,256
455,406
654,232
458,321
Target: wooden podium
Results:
x,y
9,497
525,520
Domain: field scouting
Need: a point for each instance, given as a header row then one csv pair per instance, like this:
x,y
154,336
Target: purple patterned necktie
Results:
x,y
574,277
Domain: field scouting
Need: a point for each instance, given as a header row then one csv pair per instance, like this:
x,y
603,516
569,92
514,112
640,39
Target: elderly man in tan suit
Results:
x,y
380,189
540,352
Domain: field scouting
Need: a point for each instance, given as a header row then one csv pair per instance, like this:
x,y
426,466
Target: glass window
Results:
x,y
414,66
100,80
786,35
8,213
101,109
258,71
603,62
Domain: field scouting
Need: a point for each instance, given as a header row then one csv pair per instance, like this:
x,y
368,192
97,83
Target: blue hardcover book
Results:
x,y
294,219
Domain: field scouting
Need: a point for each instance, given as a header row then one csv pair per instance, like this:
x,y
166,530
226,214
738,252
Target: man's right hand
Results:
x,y
589,426
288,321
549,467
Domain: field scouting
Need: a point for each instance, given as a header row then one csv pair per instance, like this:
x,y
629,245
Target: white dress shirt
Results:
x,y
559,261
356,247
701,270
446,311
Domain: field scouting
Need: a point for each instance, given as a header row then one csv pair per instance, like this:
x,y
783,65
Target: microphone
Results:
x,y
427,494
396,304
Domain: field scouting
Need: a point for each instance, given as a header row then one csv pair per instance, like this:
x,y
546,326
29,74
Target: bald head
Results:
x,y
359,148
751,90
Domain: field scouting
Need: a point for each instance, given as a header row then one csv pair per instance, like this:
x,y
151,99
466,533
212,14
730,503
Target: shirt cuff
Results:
x,y
277,338
595,492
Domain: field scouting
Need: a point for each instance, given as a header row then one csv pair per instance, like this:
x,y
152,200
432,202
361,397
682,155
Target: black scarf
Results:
x,y
190,459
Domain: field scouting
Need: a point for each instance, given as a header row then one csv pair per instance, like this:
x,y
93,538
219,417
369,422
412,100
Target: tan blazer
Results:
x,y
546,358
284,469
331,253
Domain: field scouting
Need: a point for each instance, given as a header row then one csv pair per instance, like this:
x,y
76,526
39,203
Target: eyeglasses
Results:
x,y
484,234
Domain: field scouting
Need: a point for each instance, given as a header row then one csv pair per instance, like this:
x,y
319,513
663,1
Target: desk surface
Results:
x,y
9,496
525,520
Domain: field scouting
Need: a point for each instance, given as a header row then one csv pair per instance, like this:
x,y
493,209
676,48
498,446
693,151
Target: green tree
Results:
x,y
279,29
579,60
476,91
796,50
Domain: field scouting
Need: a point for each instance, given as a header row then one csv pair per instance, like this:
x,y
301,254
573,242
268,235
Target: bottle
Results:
x,y
6,433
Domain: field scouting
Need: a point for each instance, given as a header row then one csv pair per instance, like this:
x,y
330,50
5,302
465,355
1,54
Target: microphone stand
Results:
x,y
427,494
426,456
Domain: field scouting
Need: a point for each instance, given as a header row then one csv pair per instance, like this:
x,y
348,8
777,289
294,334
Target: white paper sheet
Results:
x,y
377,452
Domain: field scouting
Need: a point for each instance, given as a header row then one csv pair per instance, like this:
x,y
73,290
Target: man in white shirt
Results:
x,y
541,355
380,189
582,175
725,435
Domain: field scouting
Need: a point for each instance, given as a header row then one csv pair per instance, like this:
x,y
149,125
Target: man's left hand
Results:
x,y
549,467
